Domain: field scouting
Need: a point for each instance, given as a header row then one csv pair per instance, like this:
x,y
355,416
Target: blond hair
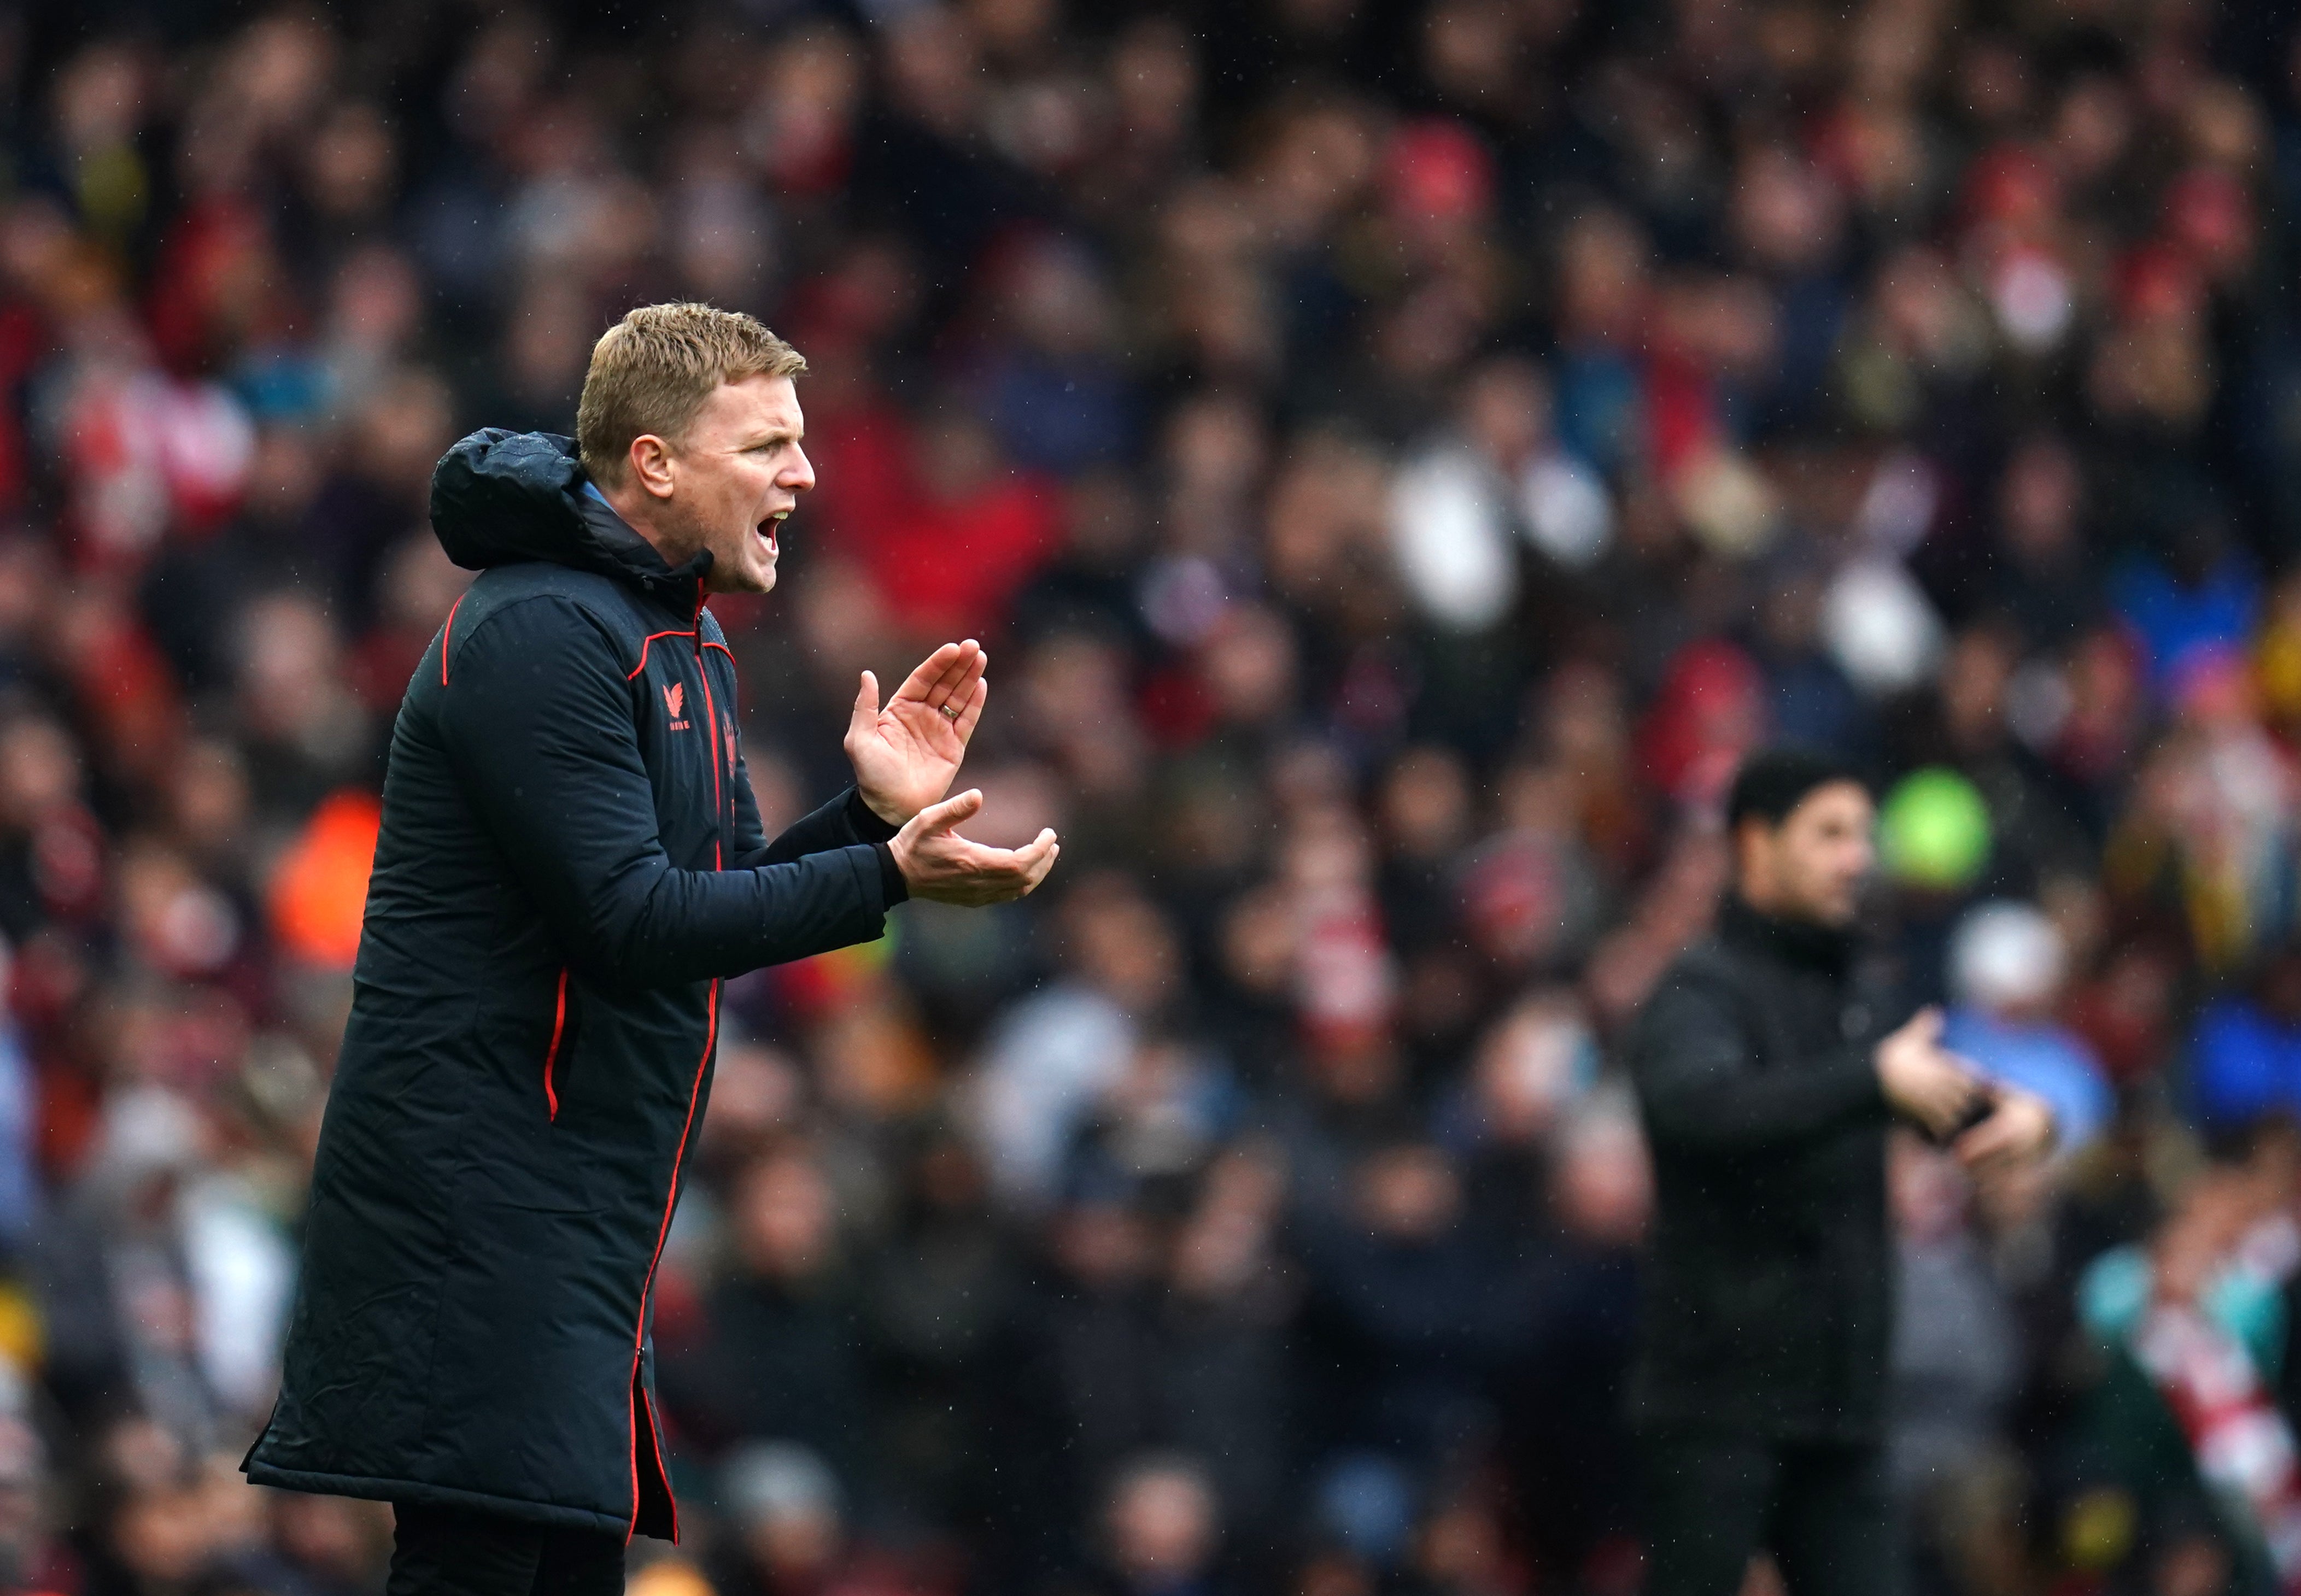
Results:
x,y
651,372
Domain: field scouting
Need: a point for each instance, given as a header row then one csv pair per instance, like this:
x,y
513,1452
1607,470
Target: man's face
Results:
x,y
739,471
1811,867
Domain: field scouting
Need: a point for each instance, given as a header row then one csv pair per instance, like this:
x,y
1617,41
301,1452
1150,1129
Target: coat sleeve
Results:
x,y
1702,1089
538,726
845,822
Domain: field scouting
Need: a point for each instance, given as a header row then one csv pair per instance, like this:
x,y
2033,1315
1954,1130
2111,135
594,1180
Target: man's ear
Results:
x,y
1747,848
651,464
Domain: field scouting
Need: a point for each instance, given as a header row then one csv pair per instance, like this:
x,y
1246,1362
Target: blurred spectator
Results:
x,y
2008,966
1162,1527
1953,1366
789,1533
777,1353
1061,1049
2245,1059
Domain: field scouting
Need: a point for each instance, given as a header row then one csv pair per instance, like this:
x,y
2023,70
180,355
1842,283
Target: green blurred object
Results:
x,y
1934,831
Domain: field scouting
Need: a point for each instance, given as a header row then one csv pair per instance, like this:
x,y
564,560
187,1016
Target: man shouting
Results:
x,y
571,864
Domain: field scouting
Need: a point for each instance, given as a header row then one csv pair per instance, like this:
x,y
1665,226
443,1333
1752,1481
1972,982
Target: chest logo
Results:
x,y
674,699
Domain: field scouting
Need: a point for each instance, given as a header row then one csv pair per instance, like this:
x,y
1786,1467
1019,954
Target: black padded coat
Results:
x,y
570,863
1769,1284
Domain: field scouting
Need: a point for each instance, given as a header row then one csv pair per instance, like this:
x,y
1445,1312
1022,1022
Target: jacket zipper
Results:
x,y
711,734
710,1041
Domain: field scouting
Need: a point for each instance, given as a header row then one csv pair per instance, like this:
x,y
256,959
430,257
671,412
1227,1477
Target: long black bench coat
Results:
x,y
570,863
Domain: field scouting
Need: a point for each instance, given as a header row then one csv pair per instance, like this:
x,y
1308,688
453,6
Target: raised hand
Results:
x,y
906,755
1922,1081
942,866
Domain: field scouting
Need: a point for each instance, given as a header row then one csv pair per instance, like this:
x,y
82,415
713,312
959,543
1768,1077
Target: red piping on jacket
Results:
x,y
655,1444
651,638
448,634
630,1409
639,1330
551,1054
710,1038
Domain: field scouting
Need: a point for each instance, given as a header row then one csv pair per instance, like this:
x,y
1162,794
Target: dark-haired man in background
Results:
x,y
1769,1065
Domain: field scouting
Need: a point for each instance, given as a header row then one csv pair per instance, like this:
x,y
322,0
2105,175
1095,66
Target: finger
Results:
x,y
930,671
2045,1128
867,703
1020,862
2028,1129
959,681
972,713
1028,865
979,875
1005,873
952,696
954,671
961,674
1017,875
975,858
1927,1022
1986,1143
942,817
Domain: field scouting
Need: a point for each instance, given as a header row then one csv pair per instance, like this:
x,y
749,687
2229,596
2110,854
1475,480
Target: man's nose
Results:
x,y
801,476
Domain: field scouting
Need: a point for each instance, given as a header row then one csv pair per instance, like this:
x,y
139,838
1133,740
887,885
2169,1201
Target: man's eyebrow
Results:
x,y
774,435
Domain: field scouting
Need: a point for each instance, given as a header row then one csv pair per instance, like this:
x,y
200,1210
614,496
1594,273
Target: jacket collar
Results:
x,y
1799,942
499,498
679,587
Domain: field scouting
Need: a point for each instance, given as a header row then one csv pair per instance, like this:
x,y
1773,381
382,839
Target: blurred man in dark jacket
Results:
x,y
570,863
1769,1065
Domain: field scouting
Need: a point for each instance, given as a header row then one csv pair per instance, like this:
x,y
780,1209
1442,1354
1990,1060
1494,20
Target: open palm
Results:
x,y
905,754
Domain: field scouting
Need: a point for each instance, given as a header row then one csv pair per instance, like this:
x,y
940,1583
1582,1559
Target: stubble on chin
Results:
x,y
744,576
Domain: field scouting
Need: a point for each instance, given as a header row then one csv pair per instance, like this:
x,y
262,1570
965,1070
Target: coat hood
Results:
x,y
505,498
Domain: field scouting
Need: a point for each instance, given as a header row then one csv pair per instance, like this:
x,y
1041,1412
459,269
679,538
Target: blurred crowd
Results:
x,y
1399,454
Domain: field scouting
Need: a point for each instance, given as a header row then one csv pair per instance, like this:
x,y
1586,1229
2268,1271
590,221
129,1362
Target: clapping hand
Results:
x,y
906,755
942,866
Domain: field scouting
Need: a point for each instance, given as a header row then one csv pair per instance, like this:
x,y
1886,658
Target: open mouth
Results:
x,y
767,529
